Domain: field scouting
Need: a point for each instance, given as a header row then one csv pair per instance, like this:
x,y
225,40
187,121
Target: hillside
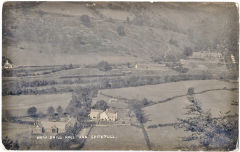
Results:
x,y
86,33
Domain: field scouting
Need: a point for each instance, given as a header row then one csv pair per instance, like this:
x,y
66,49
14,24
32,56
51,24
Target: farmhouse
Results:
x,y
37,129
7,65
108,115
52,126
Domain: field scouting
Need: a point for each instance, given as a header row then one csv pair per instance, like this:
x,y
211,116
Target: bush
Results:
x,y
153,126
104,66
9,144
80,104
212,133
121,31
188,51
173,42
51,111
190,91
32,111
86,20
101,105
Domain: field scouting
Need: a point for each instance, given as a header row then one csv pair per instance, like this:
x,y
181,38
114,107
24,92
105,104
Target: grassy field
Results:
x,y
163,91
19,132
167,112
14,130
218,102
127,138
18,105
168,137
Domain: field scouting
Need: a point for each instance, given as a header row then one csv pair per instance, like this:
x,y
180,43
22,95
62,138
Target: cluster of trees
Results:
x,y
10,144
117,82
136,107
60,144
166,58
21,72
18,91
33,112
80,105
206,131
36,83
173,56
177,67
30,87
173,42
101,105
56,115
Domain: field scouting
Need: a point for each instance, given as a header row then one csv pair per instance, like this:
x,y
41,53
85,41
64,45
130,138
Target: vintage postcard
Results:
x,y
120,76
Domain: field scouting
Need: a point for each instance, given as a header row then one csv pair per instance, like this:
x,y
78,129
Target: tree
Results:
x,y
121,31
207,131
104,66
51,111
8,143
145,101
136,107
16,145
190,91
86,20
80,104
101,105
32,111
188,51
60,110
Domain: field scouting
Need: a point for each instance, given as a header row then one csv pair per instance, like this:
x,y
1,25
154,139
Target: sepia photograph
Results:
x,y
160,76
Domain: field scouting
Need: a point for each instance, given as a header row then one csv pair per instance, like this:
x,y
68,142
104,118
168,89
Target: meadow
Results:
x,y
18,105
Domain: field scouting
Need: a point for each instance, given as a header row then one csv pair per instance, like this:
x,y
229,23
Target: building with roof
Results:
x,y
108,115
53,126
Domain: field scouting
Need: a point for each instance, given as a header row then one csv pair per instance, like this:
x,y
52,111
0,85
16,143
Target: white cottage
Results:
x,y
108,115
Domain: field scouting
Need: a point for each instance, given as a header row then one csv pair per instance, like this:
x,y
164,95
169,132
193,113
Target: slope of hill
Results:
x,y
64,33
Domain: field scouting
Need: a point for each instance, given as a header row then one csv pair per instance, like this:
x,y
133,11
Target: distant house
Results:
x,y
136,66
108,115
37,129
149,66
207,55
7,65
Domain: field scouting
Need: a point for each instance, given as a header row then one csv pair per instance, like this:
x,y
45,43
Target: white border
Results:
x,y
2,148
